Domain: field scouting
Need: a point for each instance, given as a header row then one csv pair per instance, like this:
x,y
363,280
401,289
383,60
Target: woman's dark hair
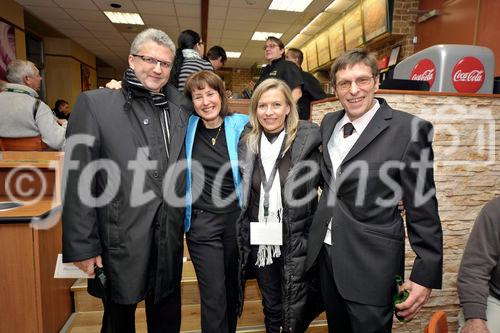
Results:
x,y
187,40
59,103
200,80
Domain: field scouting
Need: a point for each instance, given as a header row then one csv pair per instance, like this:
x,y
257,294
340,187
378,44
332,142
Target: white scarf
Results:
x,y
190,54
266,253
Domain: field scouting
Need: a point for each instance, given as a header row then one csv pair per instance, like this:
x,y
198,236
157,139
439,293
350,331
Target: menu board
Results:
x,y
323,48
312,55
336,36
374,18
353,29
304,60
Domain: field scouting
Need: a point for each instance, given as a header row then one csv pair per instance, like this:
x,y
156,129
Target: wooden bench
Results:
x,y
34,143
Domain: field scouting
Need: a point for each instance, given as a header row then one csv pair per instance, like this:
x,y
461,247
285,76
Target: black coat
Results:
x,y
300,294
120,122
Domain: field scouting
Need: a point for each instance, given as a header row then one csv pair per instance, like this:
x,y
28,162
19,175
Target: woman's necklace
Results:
x,y
214,140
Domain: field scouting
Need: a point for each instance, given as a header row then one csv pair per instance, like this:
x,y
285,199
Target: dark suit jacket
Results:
x,y
367,237
121,229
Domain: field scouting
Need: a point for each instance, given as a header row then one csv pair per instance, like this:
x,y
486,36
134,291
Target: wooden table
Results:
x,y
30,238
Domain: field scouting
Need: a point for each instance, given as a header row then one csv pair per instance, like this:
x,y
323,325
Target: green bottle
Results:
x,y
400,296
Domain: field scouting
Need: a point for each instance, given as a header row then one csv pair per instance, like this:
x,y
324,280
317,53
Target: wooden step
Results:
x,y
250,322
84,302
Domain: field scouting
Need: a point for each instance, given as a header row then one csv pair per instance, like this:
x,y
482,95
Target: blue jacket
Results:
x,y
233,126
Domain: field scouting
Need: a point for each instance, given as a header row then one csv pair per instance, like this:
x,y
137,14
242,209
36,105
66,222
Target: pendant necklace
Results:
x,y
214,140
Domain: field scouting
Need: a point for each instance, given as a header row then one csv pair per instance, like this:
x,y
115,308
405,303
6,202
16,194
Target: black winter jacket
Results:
x,y
119,122
300,291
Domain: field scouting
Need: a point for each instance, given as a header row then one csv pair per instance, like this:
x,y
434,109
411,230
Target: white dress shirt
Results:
x,y
339,147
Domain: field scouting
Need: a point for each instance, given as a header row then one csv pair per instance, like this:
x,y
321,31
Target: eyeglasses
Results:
x,y
270,46
361,82
153,61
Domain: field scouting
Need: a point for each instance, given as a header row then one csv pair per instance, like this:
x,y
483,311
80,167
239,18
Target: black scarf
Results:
x,y
159,98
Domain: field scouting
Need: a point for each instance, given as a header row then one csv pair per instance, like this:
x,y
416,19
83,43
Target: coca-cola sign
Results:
x,y
468,75
424,70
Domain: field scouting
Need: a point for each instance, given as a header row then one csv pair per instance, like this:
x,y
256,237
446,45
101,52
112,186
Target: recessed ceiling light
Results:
x,y
233,54
124,18
290,6
260,35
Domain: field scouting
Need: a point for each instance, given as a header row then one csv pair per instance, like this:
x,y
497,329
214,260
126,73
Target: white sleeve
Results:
x,y
52,133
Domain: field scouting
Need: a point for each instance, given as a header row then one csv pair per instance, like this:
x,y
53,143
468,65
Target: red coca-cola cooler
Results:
x,y
451,68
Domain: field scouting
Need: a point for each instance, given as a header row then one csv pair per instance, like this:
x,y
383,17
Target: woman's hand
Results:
x,y
113,84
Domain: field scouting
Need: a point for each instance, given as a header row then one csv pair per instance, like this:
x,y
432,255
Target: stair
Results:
x,y
88,309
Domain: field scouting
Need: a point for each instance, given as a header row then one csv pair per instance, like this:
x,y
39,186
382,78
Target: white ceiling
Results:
x,y
231,23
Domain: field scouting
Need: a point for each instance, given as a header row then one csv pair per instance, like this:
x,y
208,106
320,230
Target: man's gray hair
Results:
x,y
18,69
154,35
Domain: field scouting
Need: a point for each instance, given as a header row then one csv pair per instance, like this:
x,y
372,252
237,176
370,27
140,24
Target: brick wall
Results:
x,y
466,175
403,29
239,79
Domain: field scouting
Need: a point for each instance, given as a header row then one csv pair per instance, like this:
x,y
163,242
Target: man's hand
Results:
x,y
113,84
61,121
417,298
88,265
475,326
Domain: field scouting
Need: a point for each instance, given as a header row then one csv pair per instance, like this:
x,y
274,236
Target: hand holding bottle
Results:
x,y
418,296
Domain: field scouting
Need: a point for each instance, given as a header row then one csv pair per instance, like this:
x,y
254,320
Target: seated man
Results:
x,y
22,114
479,275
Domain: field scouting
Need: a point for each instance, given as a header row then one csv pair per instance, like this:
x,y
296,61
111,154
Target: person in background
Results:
x,y
280,193
61,109
22,113
217,57
136,234
188,58
478,280
279,68
373,156
213,204
311,89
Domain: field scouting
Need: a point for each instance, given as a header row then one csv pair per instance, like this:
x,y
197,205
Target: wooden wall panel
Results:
x,y
488,27
17,280
454,25
55,295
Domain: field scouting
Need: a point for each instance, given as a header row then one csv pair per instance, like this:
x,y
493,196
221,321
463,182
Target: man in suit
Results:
x,y
373,156
122,210
311,90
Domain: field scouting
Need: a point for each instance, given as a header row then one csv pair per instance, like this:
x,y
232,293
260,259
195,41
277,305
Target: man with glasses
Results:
x,y
373,156
279,68
118,212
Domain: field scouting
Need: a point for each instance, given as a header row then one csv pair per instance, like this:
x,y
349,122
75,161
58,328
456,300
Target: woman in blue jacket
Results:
x,y
213,199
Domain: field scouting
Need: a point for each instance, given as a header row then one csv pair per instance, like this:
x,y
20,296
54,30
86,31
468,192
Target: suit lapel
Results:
x,y
379,122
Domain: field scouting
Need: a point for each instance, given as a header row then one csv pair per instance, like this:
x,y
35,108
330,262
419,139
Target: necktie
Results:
x,y
348,129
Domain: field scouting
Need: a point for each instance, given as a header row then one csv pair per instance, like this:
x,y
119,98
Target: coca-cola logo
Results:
x,y
468,75
424,70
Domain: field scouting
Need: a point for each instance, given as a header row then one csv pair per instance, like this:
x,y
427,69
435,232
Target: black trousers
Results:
x,y
344,316
269,281
162,317
213,249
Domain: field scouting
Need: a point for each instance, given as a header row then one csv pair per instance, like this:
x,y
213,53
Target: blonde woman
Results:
x,y
278,160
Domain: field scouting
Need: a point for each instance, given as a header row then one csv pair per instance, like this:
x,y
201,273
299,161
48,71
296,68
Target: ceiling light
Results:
x,y
233,54
124,18
259,35
290,6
